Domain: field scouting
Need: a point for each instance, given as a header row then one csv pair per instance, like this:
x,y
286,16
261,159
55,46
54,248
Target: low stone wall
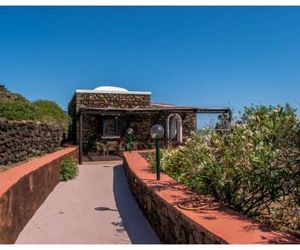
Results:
x,y
24,188
215,224
20,140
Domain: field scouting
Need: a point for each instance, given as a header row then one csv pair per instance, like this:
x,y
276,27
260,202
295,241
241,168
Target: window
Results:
x,y
174,128
110,126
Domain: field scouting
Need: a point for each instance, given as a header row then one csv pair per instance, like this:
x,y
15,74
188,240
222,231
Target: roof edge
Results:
x,y
112,92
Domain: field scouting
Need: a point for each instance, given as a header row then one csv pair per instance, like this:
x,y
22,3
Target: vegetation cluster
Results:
x,y
254,166
69,169
16,107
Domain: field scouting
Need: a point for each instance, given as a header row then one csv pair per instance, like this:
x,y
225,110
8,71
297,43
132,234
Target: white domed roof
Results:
x,y
110,89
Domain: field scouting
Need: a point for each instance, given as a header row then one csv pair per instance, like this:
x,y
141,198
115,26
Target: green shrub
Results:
x,y
17,110
48,111
16,107
69,169
254,167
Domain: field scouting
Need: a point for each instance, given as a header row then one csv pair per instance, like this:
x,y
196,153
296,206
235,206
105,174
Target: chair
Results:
x,y
122,146
112,146
101,147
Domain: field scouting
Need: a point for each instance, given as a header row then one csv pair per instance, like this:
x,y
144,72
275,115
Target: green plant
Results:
x,y
17,110
69,169
253,167
16,107
48,111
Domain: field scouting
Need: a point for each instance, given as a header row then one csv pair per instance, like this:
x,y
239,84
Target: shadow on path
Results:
x,y
133,220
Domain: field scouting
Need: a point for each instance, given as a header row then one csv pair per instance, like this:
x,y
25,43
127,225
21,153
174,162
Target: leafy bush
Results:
x,y
17,110
254,167
48,111
69,169
16,107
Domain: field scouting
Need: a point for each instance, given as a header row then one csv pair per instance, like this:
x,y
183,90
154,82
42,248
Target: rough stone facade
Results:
x,y
105,100
102,100
189,124
20,140
140,122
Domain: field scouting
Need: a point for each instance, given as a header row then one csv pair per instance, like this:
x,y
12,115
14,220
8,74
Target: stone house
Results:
x,y
101,117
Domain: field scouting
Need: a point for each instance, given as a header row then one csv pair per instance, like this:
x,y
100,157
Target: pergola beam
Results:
x,y
117,111
213,110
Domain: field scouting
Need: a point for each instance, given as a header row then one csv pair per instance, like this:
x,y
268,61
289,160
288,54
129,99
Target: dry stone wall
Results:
x,y
170,226
141,124
189,125
102,100
20,140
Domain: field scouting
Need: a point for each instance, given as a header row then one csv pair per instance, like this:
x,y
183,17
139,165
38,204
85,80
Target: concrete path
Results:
x,y
96,207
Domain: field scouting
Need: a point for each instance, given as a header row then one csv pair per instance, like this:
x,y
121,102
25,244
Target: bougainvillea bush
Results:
x,y
254,166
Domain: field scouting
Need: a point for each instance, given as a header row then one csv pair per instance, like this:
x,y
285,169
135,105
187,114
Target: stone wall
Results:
x,y
105,100
212,223
141,124
20,140
102,100
189,125
24,188
168,224
72,131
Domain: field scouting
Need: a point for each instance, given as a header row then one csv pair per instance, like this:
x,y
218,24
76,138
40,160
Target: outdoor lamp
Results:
x,y
157,131
130,133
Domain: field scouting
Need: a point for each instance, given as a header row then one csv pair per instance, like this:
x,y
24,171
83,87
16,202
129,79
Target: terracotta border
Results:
x,y
24,188
159,201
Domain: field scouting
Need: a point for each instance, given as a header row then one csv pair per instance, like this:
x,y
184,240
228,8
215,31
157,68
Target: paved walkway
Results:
x,y
96,207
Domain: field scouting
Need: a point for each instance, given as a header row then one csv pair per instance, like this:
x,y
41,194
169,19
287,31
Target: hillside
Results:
x,y
5,94
14,106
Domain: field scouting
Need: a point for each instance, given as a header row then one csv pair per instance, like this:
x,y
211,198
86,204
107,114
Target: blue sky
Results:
x,y
202,56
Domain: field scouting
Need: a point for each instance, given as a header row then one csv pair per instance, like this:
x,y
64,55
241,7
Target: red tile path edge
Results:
x,y
11,176
226,225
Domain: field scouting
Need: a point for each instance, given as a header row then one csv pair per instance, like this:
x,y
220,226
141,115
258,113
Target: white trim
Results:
x,y
113,92
162,104
179,125
111,137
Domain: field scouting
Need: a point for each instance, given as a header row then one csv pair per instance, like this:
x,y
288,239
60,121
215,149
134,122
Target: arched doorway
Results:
x,y
174,128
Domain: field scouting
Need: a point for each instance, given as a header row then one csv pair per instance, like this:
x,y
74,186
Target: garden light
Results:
x,y
157,132
130,133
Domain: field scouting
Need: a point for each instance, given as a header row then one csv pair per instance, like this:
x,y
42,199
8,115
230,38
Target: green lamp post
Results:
x,y
130,133
157,132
